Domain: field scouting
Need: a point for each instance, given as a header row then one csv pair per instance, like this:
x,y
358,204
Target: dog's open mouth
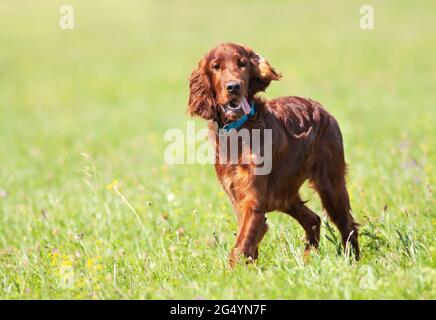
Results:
x,y
234,105
236,108
233,110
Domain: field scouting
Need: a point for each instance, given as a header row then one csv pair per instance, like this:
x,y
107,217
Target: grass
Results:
x,y
82,108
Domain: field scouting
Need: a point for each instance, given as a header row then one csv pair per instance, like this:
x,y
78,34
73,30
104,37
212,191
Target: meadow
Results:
x,y
90,210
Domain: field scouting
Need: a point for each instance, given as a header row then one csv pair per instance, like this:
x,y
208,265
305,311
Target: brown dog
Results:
x,y
306,144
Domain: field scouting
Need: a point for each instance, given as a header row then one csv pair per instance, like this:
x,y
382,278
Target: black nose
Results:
x,y
233,86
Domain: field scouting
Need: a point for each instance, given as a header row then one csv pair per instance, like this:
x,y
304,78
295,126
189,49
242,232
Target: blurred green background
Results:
x,y
81,108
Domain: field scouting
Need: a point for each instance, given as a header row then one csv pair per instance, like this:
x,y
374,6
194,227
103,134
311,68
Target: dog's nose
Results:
x,y
233,86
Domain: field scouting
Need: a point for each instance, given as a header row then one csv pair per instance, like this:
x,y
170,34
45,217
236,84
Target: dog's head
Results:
x,y
227,74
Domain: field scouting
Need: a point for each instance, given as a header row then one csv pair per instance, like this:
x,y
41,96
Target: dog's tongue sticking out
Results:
x,y
245,106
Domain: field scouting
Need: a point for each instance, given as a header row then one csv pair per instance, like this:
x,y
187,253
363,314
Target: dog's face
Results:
x,y
229,70
227,74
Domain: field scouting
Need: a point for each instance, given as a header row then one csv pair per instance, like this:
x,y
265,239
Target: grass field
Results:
x,y
89,209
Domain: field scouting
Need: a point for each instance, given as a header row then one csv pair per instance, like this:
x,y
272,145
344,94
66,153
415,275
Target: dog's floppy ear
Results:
x,y
201,101
261,72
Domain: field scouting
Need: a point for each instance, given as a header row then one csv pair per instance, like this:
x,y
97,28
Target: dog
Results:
x,y
306,145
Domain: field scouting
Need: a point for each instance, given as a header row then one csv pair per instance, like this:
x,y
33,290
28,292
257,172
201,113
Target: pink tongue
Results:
x,y
245,106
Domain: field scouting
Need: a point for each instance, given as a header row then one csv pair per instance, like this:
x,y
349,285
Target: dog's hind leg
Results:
x,y
328,179
336,203
308,219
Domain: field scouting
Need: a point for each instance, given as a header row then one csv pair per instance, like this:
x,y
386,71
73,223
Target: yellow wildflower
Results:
x,y
112,185
89,263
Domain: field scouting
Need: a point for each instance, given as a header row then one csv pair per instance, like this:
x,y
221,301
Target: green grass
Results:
x,y
81,108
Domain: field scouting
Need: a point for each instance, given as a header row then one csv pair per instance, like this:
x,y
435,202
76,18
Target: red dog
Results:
x,y
306,144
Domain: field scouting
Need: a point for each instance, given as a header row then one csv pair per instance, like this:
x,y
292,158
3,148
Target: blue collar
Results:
x,y
238,123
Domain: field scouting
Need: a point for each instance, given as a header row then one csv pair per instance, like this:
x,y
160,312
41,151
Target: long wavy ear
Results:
x,y
201,101
262,73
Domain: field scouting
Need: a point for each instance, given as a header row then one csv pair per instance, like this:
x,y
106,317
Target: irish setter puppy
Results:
x,y
306,144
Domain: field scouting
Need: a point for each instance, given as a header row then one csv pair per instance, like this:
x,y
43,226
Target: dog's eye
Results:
x,y
216,66
242,63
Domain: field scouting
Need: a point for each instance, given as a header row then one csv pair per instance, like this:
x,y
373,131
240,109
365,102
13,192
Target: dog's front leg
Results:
x,y
252,228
